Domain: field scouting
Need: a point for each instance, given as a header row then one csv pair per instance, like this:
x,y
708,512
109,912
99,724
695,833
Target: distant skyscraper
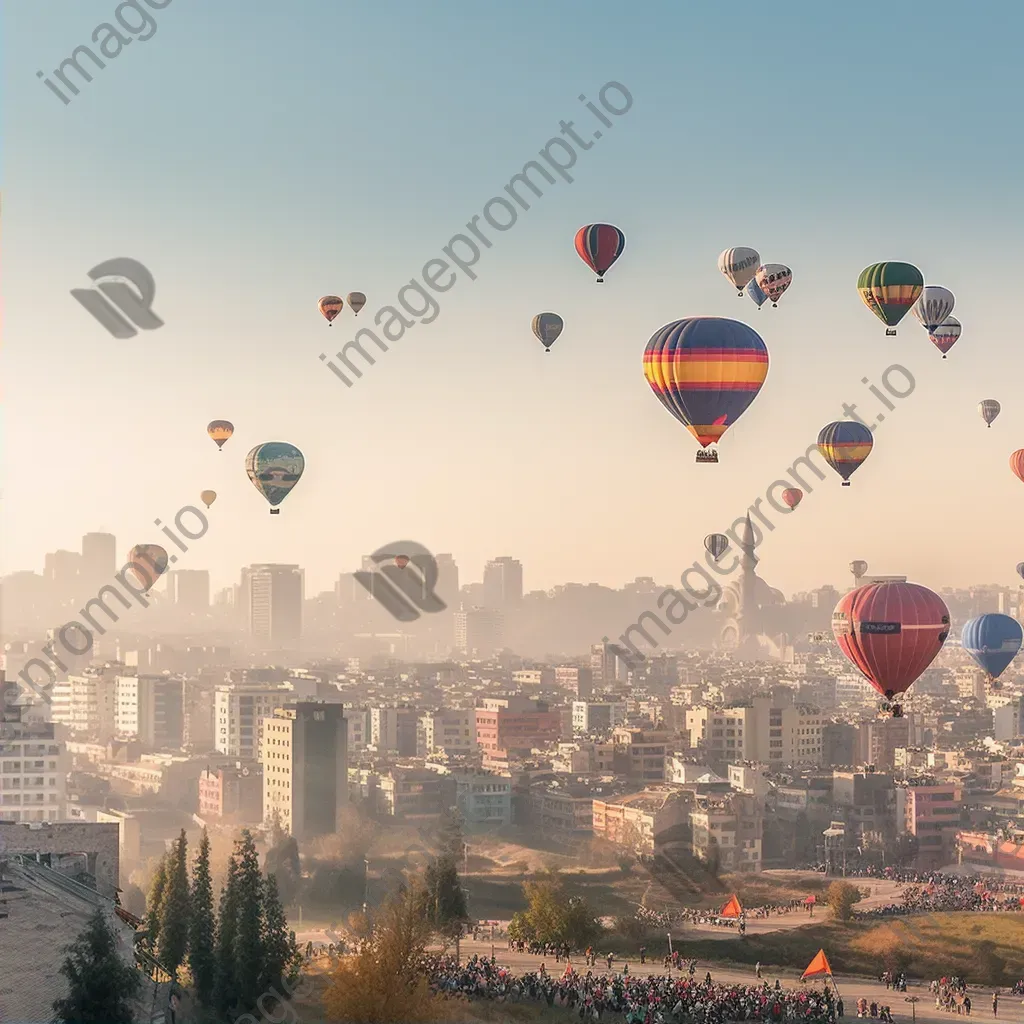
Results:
x,y
447,580
99,558
273,597
189,590
479,631
62,569
503,582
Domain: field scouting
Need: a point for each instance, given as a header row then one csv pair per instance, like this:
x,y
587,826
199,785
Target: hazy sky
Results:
x,y
256,155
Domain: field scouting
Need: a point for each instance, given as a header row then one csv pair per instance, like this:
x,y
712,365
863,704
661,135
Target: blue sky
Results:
x,y
256,155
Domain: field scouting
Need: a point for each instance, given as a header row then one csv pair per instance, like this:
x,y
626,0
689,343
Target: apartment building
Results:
x,y
33,766
640,754
931,811
452,730
150,709
597,716
239,710
728,830
636,821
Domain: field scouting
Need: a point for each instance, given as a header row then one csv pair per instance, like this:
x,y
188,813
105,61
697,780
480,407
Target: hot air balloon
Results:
x,y
599,246
401,561
1020,569
330,306
845,445
716,544
944,336
933,306
275,467
773,279
208,497
739,265
891,632
792,496
547,327
993,642
1017,463
148,563
889,290
356,301
754,291
706,371
858,567
989,410
220,431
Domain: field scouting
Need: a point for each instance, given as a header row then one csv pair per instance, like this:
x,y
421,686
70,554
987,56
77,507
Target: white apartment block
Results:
x,y
452,730
239,710
149,709
91,702
33,768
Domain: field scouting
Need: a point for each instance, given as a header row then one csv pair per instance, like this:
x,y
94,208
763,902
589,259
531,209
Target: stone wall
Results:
x,y
98,841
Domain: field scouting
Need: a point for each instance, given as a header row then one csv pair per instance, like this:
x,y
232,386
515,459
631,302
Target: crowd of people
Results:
x,y
641,1000
951,996
938,892
703,915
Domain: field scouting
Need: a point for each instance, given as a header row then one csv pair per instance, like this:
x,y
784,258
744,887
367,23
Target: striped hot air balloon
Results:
x,y
844,446
933,306
773,279
792,496
330,306
706,371
716,545
1017,463
599,246
220,432
889,290
739,265
944,336
891,632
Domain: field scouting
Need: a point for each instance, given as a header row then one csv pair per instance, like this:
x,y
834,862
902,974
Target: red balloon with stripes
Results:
x,y
599,246
891,631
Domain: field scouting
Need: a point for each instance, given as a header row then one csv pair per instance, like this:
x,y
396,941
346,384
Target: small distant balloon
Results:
x,y
792,496
599,246
547,327
356,301
845,445
944,336
716,544
989,410
773,279
148,562
220,431
330,306
1020,569
208,497
858,567
401,561
739,265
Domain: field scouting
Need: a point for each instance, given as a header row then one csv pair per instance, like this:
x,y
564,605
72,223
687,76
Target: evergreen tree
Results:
x,y
102,988
249,923
226,984
174,914
281,956
445,899
154,904
202,959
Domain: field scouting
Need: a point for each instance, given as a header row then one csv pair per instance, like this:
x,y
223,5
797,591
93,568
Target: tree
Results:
x,y
385,982
226,984
841,898
905,848
552,916
281,955
249,927
154,905
202,960
452,835
282,860
102,988
174,911
444,898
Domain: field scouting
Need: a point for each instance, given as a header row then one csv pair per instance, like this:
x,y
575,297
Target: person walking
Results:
x,y
757,970
995,1004
643,954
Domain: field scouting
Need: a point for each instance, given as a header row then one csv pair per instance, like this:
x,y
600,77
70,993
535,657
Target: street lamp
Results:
x,y
366,883
913,1008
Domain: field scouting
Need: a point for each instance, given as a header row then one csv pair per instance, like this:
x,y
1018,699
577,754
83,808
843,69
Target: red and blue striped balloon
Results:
x,y
844,445
599,246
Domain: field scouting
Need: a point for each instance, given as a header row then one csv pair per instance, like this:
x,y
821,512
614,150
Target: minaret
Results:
x,y
747,623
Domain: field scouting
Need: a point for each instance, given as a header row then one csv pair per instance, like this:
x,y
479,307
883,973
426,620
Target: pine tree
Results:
x,y
249,918
202,960
226,984
102,988
154,904
281,956
174,916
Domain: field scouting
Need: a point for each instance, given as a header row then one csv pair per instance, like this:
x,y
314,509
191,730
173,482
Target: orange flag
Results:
x,y
732,908
818,966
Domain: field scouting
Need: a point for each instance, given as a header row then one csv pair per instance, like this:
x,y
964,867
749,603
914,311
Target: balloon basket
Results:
x,y
846,483
891,333
600,280
275,511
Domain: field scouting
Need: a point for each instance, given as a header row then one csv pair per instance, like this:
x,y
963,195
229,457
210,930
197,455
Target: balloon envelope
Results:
x,y
754,291
844,446
992,641
739,265
891,632
944,335
773,279
1017,463
792,496
148,563
356,301
220,431
706,371
858,567
547,327
1020,569
989,410
599,246
716,544
890,289
208,498
275,467
330,306
933,306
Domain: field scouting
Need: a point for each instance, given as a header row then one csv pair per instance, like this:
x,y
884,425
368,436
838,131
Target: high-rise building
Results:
x,y
239,709
305,768
479,632
609,665
189,590
447,580
150,709
393,730
99,558
273,599
62,570
92,702
503,582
